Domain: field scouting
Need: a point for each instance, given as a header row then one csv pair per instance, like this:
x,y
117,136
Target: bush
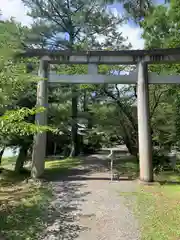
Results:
x,y
92,143
160,161
88,149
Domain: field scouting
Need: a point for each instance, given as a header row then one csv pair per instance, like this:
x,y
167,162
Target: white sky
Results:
x,y
15,8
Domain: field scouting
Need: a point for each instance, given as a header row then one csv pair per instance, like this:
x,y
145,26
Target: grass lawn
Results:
x,y
8,162
61,166
156,206
23,204
127,167
158,209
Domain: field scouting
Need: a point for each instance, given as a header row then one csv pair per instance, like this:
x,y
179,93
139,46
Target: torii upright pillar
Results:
x,y
145,144
92,69
39,148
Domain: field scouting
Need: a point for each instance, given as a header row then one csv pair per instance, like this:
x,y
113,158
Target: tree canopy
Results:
x,y
85,117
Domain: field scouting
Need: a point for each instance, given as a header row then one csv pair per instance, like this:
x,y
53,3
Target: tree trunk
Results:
x,y
74,128
130,139
55,147
1,154
81,144
86,109
21,158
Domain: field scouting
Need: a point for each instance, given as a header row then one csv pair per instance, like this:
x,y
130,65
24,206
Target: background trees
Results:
x,y
86,117
83,23
17,106
161,31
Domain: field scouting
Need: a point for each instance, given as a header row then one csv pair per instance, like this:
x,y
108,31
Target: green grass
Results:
x,y
158,210
127,167
22,207
63,164
8,162
168,176
23,204
60,167
156,206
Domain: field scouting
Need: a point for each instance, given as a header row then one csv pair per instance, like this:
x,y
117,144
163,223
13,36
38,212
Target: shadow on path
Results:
x,y
62,217
65,210
69,195
89,164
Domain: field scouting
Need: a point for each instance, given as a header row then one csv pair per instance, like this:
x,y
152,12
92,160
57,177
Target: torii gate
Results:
x,y
141,58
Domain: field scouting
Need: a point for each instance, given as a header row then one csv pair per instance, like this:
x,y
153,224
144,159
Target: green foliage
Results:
x,y
92,142
158,210
161,30
17,92
19,199
12,75
62,165
136,9
127,167
116,116
160,27
13,122
162,106
160,161
156,28
17,105
84,21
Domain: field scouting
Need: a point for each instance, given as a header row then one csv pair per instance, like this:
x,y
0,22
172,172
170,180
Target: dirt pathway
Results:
x,y
88,206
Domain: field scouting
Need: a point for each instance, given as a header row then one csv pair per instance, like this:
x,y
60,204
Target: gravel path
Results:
x,y
87,206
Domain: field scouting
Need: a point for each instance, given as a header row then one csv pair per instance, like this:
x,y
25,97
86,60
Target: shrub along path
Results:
x,y
88,206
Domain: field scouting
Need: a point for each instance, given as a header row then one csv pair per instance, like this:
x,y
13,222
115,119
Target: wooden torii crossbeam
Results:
x,y
141,58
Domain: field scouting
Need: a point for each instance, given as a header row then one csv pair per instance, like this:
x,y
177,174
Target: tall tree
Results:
x,y
161,30
14,81
136,9
84,22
